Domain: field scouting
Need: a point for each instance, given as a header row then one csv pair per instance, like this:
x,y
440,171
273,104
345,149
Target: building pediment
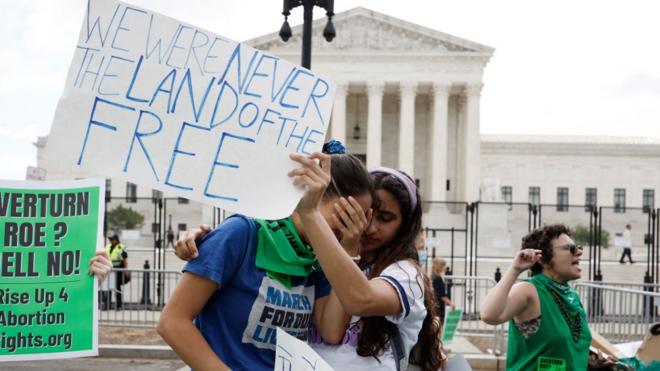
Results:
x,y
362,30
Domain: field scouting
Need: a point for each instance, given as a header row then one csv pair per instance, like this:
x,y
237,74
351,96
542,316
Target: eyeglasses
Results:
x,y
572,248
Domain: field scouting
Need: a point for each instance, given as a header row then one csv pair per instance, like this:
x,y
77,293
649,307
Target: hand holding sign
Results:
x,y
313,177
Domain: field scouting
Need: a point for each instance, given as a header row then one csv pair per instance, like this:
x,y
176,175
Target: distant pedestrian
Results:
x,y
440,288
627,245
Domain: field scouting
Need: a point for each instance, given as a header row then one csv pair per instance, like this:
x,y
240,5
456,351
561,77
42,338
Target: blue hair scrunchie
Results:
x,y
333,147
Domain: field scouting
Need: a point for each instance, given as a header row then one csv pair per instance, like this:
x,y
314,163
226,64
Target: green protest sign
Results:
x,y
49,231
452,319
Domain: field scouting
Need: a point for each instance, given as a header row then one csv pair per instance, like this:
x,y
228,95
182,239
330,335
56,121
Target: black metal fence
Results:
x,y
477,238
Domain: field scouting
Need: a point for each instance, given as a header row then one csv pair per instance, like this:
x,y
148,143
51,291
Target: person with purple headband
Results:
x,y
394,325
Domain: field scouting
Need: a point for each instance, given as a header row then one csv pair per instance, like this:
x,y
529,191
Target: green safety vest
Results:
x,y
552,347
116,254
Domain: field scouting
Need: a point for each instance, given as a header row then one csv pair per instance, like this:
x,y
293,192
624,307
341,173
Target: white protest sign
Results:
x,y
170,106
294,355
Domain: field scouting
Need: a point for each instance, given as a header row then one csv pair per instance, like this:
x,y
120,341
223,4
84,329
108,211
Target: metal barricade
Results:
x,y
138,301
467,292
619,314
625,285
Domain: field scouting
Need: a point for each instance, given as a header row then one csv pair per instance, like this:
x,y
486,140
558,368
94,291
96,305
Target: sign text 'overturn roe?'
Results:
x,y
48,234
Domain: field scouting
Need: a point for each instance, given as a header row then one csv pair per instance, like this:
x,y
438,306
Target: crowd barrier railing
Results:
x,y
619,311
619,314
467,292
625,285
138,301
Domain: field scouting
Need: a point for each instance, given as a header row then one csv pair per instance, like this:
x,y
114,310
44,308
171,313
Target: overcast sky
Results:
x,y
563,67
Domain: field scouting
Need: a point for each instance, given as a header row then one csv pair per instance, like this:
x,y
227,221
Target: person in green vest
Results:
x,y
119,259
548,327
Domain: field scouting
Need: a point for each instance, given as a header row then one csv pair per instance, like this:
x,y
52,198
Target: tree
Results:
x,y
124,218
580,234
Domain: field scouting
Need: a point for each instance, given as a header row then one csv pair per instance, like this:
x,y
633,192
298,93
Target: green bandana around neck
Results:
x,y
281,252
568,302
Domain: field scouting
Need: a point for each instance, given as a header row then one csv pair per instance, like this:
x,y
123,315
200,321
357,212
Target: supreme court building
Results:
x,y
408,96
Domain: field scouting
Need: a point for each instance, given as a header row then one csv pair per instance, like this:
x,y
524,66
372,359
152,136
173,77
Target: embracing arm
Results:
x,y
185,247
330,318
176,323
357,295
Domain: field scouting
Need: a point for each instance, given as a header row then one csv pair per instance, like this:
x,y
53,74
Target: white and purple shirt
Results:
x,y
406,279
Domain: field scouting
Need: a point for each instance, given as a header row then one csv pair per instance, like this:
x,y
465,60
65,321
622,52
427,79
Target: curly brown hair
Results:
x,y
541,239
377,331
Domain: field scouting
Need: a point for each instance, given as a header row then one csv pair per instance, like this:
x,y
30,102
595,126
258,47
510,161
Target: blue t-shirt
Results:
x,y
240,319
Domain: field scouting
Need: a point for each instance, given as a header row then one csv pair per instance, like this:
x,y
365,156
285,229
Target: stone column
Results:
x,y
374,123
472,142
439,153
407,127
338,131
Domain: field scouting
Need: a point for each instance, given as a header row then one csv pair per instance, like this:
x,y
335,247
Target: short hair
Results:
x,y
541,239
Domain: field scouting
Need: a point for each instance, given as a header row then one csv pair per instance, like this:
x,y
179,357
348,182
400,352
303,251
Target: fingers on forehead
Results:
x,y
354,202
321,156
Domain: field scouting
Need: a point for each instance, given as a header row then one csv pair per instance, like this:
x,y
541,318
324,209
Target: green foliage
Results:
x,y
580,234
124,218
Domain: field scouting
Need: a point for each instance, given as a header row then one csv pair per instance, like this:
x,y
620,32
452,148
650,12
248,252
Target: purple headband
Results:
x,y
410,186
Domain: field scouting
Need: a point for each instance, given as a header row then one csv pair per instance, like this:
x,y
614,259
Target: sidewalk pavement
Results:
x,y
162,358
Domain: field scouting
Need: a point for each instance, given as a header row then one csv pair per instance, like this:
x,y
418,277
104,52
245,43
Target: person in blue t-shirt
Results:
x,y
255,276
393,300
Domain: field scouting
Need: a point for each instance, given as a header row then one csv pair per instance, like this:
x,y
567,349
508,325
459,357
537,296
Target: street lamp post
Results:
x,y
308,7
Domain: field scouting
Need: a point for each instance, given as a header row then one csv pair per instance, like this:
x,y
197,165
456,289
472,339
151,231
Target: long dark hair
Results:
x,y
376,331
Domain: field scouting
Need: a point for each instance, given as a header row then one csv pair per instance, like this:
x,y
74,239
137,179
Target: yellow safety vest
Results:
x,y
116,254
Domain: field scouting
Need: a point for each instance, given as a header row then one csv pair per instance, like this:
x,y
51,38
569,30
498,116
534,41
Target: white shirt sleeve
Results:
x,y
627,241
407,281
